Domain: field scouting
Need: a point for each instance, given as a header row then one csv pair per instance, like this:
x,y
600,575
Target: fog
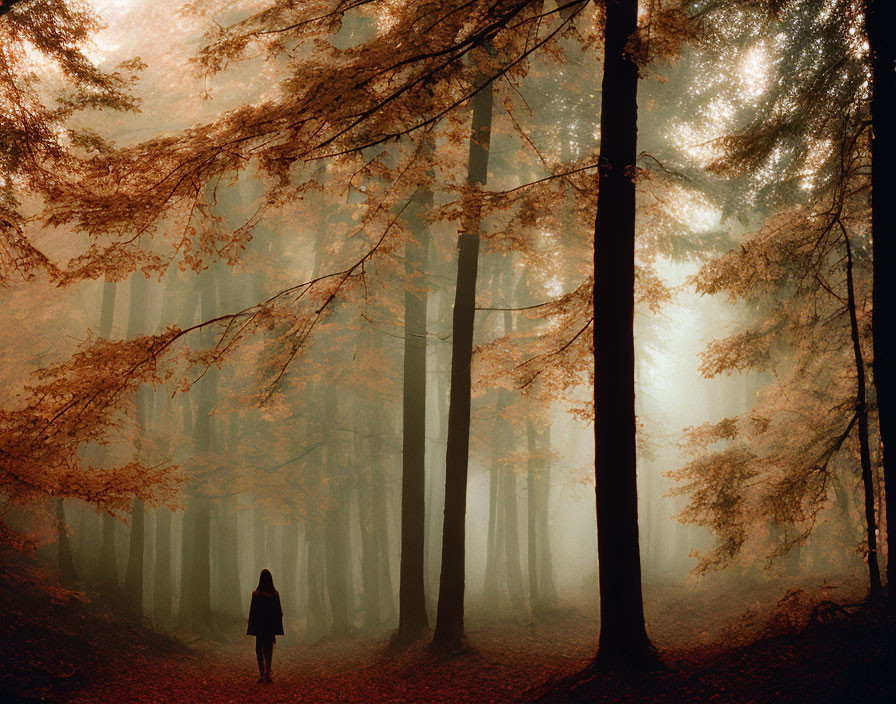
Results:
x,y
279,424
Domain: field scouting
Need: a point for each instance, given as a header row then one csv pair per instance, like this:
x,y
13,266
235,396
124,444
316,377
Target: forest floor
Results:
x,y
764,651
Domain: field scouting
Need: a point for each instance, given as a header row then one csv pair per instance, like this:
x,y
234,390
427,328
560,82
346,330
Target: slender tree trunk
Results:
x,y
531,518
108,567
880,18
162,579
381,522
228,570
370,552
259,549
67,572
133,582
337,545
512,543
547,587
187,556
511,505
317,622
490,587
412,618
862,410
623,638
107,570
196,573
449,632
289,559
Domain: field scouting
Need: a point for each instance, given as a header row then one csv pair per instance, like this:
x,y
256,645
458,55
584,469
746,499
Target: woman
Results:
x,y
265,623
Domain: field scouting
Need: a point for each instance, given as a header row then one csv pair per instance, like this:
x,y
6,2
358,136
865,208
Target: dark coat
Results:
x,y
265,615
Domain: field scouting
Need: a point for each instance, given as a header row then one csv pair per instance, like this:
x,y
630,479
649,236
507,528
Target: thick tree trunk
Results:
x,y
412,618
449,632
862,411
623,639
880,18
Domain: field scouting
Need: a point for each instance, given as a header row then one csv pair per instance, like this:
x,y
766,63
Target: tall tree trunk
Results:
x,y
511,505
161,599
449,632
107,569
67,572
532,552
187,556
196,575
880,18
289,560
412,617
108,566
547,587
133,582
381,521
228,569
490,586
370,552
259,549
512,543
334,532
862,411
317,623
623,638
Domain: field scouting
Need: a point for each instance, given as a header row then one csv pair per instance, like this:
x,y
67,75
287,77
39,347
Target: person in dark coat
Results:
x,y
265,622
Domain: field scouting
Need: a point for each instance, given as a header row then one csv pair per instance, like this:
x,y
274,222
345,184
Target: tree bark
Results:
x,y
107,568
623,638
67,571
449,632
334,532
133,582
317,622
531,518
880,18
161,600
196,572
412,618
862,411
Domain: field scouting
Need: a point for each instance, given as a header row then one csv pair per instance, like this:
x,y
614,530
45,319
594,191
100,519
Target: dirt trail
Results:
x,y
506,660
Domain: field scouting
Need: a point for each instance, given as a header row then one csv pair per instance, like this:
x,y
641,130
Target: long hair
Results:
x,y
266,582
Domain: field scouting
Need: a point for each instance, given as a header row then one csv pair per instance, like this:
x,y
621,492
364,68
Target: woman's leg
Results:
x,y
268,656
259,655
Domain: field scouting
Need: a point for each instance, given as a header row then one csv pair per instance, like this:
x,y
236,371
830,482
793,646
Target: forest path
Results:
x,y
506,659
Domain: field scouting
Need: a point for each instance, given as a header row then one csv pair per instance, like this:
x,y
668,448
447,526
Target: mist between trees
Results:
x,y
316,287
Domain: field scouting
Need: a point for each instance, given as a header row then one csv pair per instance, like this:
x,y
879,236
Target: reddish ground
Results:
x,y
507,660
758,652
